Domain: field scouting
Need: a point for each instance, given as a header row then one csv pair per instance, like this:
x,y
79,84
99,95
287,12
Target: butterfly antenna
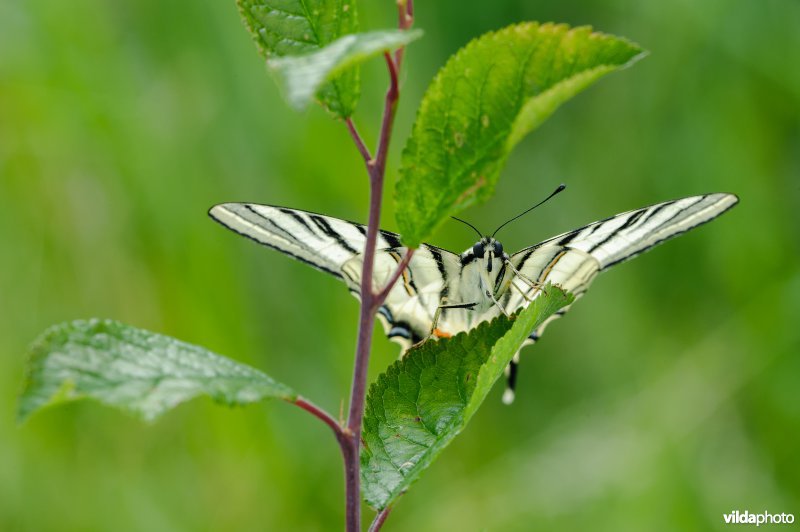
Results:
x,y
480,235
560,188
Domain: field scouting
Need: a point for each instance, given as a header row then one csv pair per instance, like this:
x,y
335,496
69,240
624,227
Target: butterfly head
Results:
x,y
488,249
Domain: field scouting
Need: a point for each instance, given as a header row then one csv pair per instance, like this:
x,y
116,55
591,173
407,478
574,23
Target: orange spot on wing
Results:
x,y
438,333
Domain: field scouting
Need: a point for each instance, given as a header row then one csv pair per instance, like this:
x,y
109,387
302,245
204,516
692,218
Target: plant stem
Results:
x,y
405,18
362,148
401,267
371,299
366,324
318,412
377,523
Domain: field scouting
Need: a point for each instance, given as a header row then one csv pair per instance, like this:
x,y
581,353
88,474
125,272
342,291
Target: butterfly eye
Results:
x,y
498,249
477,250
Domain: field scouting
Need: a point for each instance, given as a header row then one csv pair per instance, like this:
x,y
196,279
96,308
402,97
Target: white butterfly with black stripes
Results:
x,y
442,293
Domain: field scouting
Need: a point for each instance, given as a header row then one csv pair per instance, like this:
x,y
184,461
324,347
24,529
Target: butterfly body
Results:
x,y
443,293
484,270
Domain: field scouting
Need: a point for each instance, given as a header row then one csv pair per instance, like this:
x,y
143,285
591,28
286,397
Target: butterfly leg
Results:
x,y
523,294
438,313
529,282
490,295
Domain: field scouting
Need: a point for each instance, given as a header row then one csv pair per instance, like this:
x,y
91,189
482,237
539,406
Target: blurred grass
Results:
x,y
668,397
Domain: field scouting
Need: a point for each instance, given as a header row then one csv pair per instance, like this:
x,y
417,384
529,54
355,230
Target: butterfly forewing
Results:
x,y
574,258
324,242
626,235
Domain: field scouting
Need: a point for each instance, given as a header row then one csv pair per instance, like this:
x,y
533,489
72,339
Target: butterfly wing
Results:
x,y
631,233
410,307
574,258
324,242
570,260
335,246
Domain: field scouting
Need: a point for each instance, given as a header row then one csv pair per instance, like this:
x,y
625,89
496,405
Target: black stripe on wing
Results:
x,y
255,238
326,228
609,242
436,253
323,242
671,235
624,236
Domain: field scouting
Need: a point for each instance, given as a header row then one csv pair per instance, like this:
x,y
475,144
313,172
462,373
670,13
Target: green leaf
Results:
x,y
416,408
302,75
488,96
297,27
136,370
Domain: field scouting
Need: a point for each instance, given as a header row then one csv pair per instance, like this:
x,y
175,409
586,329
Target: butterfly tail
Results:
x,y
511,380
512,370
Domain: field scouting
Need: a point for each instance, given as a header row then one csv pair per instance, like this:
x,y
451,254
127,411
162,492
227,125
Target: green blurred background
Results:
x,y
669,396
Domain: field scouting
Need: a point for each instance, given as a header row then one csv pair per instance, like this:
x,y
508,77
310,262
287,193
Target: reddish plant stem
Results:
x,y
401,267
377,523
349,435
318,412
371,299
366,324
377,166
362,148
405,18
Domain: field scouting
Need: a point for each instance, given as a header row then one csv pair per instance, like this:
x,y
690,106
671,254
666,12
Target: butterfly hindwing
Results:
x,y
410,307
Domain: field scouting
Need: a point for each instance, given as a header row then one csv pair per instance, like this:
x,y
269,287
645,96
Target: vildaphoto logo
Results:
x,y
746,518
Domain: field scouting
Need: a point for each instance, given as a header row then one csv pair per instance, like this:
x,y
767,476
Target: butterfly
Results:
x,y
442,293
